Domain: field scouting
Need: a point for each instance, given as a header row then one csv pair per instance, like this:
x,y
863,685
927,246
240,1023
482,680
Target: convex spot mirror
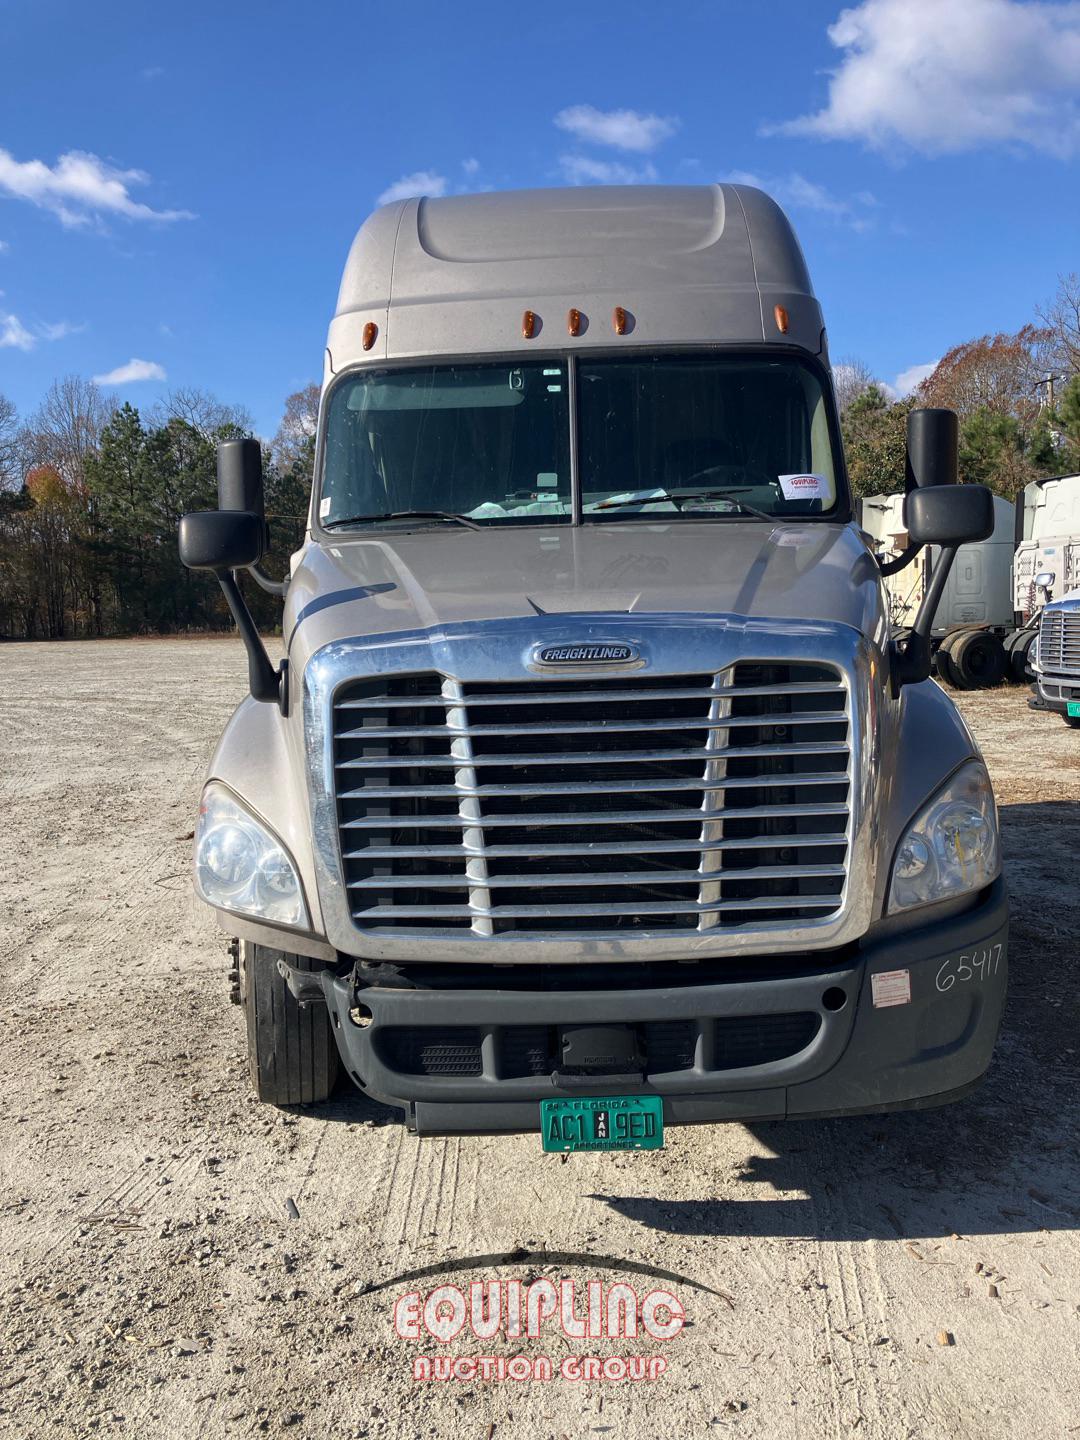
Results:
x,y
949,514
221,539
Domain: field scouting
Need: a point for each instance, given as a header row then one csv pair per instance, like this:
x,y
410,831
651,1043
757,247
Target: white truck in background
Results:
x,y
973,634
1047,538
986,625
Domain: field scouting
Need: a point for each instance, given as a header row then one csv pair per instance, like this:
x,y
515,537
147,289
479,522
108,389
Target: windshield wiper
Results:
x,y
676,494
405,515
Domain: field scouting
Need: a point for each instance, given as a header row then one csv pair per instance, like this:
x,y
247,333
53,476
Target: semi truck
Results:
x,y
592,793
1057,657
1047,544
974,634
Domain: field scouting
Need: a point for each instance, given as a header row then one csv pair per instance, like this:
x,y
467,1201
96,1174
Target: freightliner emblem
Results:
x,y
598,654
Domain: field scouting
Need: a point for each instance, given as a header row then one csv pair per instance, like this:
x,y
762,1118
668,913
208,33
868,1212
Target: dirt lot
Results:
x,y
179,1261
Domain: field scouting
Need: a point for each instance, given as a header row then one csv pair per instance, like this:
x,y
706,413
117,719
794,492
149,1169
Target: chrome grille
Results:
x,y
625,806
1059,641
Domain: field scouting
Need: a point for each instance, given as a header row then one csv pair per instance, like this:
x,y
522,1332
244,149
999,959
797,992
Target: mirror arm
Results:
x,y
890,567
910,664
271,586
264,681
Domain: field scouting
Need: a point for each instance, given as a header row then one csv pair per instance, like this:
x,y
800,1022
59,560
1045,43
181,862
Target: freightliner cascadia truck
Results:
x,y
592,794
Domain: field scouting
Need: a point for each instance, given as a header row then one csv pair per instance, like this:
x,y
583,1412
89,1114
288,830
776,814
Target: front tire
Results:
x,y
292,1057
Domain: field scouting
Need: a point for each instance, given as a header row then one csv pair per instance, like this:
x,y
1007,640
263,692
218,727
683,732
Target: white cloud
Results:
x,y
622,129
131,372
4,247
944,76
471,166
795,192
911,378
79,188
420,182
14,334
60,331
583,170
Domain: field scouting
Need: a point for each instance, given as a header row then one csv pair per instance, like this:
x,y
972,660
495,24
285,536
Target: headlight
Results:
x,y
242,866
952,845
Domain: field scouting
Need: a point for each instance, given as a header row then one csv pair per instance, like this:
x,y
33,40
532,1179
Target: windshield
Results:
x,y
700,436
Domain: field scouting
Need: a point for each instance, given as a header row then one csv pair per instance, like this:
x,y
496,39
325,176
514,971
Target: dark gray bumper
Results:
x,y
862,1058
1056,691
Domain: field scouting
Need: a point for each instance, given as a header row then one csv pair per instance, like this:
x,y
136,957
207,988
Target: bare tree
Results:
x,y
1061,317
851,378
293,442
202,411
9,444
67,426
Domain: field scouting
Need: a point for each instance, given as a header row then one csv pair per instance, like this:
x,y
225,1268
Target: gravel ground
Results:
x,y
180,1261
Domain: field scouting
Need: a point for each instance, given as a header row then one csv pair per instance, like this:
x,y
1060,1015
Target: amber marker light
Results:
x,y
780,315
370,332
573,322
619,320
528,324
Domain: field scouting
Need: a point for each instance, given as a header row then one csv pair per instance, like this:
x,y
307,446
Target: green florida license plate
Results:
x,y
1073,707
620,1122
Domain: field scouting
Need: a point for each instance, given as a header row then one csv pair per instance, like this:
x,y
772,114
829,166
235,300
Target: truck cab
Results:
x,y
591,769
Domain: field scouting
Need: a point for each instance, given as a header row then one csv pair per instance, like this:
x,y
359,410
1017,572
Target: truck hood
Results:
x,y
424,579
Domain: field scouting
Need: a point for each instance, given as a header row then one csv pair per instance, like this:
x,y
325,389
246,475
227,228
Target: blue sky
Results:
x,y
220,157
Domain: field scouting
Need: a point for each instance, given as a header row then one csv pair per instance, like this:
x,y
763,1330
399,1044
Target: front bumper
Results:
x,y
1055,691
862,1057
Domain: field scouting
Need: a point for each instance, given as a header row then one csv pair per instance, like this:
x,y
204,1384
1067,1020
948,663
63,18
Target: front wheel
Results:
x,y
292,1057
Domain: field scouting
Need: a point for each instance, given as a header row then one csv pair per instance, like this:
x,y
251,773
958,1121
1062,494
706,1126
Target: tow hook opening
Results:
x,y
834,998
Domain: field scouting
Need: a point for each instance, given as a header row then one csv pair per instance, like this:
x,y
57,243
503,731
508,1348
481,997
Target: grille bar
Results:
x,y
545,912
618,727
625,817
580,877
547,807
599,787
611,847
584,757
594,697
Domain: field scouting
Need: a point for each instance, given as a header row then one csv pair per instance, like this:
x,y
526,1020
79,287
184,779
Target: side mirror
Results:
x,y
949,515
933,446
240,476
221,539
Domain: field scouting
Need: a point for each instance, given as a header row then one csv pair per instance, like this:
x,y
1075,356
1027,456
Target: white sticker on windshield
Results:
x,y
324,507
806,486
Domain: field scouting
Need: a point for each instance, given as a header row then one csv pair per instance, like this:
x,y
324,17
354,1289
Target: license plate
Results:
x,y
620,1122
1073,707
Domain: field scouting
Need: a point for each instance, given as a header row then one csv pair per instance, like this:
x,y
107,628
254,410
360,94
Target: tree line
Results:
x,y
1017,396
91,490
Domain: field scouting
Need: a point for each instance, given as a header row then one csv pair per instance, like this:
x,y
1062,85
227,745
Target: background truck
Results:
x,y
593,792
987,621
975,638
1057,658
1047,543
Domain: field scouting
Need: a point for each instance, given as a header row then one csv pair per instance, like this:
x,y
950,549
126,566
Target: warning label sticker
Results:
x,y
891,987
